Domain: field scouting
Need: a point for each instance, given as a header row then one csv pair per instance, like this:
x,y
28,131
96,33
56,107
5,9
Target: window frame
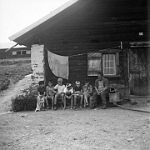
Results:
x,y
116,55
108,61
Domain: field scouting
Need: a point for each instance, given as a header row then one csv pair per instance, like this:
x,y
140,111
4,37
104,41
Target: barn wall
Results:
x,y
2,54
98,26
8,54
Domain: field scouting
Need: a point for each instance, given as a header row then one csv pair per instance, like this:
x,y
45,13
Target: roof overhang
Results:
x,y
22,35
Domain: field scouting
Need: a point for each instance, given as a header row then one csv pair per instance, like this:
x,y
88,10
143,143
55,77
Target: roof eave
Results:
x,y
15,37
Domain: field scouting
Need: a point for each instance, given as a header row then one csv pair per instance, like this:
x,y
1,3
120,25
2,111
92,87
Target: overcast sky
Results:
x,y
18,14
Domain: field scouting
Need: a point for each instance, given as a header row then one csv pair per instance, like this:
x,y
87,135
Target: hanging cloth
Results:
x,y
59,65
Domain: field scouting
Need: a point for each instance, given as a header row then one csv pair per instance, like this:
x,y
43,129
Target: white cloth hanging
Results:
x,y
59,65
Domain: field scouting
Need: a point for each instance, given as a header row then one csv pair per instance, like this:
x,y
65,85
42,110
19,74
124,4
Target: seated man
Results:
x,y
60,91
78,94
101,88
68,91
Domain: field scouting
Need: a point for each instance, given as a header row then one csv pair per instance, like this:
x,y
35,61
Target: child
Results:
x,y
87,92
60,91
68,95
40,97
50,92
78,94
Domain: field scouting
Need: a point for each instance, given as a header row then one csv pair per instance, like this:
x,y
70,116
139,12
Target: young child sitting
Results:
x,y
87,93
68,95
40,97
60,91
78,94
50,93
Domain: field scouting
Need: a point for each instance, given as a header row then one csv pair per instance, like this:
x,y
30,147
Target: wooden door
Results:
x,y
138,69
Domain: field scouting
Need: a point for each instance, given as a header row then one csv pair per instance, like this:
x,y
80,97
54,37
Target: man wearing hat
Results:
x,y
68,91
78,94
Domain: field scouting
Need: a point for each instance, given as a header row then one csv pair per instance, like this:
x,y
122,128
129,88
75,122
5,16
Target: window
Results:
x,y
14,53
109,65
18,52
94,63
106,62
23,52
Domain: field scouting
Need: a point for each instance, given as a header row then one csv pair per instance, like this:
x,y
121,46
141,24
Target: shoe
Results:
x,y
64,108
54,107
74,107
104,107
71,108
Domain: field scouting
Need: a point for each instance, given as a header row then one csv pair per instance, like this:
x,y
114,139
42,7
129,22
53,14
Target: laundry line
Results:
x,y
90,52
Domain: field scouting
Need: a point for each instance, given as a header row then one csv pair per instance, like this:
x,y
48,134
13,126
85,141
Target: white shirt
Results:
x,y
59,88
66,90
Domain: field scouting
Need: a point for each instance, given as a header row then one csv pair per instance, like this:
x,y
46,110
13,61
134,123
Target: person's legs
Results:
x,y
85,99
46,100
52,102
42,102
81,100
93,100
75,100
103,97
64,102
38,104
55,100
71,102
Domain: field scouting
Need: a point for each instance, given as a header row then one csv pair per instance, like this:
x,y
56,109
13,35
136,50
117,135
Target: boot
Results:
x,y
55,107
104,107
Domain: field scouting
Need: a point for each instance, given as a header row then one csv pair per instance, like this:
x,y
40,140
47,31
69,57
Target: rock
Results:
x,y
23,115
130,139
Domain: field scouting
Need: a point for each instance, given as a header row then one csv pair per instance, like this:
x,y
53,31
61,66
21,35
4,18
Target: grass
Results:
x,y
15,68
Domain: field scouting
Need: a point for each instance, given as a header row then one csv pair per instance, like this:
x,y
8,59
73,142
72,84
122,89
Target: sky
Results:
x,y
15,15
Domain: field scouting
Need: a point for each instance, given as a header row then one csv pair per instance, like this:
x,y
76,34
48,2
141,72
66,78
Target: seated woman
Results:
x,y
68,91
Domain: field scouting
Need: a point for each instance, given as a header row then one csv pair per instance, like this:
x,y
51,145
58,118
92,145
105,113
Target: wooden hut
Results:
x,y
95,35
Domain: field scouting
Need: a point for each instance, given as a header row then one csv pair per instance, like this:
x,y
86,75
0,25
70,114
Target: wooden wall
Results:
x,y
97,26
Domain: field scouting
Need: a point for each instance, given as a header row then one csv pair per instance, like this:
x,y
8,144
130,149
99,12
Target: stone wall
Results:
x,y
37,62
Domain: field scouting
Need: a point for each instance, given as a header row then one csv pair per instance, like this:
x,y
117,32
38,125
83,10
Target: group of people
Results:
x,y
86,93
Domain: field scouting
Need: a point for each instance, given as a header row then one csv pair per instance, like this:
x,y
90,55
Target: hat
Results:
x,y
77,82
68,85
59,80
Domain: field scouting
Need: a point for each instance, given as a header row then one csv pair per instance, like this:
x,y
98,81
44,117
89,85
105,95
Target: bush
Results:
x,y
24,103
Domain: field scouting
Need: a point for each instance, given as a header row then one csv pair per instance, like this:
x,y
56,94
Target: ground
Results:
x,y
110,129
